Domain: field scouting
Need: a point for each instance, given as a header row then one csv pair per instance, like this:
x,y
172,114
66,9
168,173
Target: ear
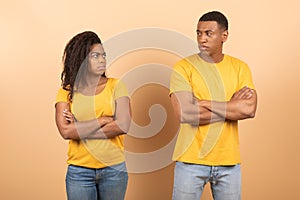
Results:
x,y
224,36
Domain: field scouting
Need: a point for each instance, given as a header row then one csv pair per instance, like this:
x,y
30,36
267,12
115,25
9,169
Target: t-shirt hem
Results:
x,y
209,163
98,166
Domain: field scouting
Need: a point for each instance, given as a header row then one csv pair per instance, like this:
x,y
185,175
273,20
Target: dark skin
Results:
x,y
103,127
188,109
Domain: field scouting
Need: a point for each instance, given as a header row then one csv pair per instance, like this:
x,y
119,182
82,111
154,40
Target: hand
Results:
x,y
244,93
68,116
105,120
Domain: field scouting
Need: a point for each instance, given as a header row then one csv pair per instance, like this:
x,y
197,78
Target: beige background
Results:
x,y
33,33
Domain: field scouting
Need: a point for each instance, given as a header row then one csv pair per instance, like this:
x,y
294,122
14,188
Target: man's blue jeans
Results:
x,y
190,179
107,183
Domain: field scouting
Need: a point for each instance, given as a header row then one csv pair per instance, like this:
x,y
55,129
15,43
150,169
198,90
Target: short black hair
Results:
x,y
217,17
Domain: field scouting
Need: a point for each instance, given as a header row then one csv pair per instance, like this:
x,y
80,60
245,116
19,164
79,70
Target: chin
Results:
x,y
205,53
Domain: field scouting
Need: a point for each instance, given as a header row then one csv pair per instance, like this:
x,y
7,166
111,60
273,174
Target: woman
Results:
x,y
93,113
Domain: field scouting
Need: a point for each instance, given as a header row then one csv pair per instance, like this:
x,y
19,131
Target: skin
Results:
x,y
104,127
188,109
210,38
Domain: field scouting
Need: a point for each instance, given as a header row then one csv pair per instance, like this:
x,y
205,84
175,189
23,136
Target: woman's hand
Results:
x,y
69,116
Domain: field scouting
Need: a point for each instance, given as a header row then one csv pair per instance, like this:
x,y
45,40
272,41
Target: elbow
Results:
x,y
252,114
252,111
186,118
183,119
178,116
249,113
124,126
66,134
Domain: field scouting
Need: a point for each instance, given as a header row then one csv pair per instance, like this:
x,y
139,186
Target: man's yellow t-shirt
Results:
x,y
95,153
216,143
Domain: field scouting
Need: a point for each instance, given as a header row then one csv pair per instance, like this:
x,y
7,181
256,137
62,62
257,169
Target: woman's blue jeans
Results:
x,y
190,179
107,183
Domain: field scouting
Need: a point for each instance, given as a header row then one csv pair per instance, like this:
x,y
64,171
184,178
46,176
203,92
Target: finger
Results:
x,y
250,94
245,92
239,94
108,119
69,119
68,116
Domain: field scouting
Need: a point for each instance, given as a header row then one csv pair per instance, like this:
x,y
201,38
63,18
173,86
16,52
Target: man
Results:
x,y
210,91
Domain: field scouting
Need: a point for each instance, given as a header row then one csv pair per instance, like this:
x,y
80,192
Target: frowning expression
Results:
x,y
97,60
210,37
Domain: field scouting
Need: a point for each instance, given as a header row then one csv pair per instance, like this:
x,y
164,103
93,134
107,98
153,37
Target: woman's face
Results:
x,y
97,60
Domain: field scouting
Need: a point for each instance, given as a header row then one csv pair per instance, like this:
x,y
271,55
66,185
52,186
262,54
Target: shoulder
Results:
x,y
112,81
187,63
187,60
234,60
62,95
63,91
240,67
117,87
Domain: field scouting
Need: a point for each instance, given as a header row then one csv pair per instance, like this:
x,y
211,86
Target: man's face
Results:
x,y
210,37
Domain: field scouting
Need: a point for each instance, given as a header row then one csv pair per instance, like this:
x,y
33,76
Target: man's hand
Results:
x,y
244,93
105,120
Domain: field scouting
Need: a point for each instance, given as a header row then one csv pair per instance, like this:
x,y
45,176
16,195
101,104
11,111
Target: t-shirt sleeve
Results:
x,y
245,77
180,78
62,95
120,90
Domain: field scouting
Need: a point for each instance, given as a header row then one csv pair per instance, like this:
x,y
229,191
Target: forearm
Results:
x,y
70,128
190,110
208,117
231,110
120,125
108,131
82,129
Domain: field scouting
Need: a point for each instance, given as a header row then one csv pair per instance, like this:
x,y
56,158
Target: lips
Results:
x,y
101,67
203,48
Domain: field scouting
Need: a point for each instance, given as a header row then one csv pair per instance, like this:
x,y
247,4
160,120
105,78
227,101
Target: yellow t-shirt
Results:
x,y
217,143
95,153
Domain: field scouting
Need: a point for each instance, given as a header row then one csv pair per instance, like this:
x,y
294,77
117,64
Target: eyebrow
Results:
x,y
98,53
205,31
209,30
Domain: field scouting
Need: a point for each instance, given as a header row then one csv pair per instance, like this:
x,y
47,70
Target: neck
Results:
x,y
93,81
216,58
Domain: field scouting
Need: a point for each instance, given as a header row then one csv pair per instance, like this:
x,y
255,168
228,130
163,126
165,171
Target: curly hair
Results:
x,y
217,17
75,58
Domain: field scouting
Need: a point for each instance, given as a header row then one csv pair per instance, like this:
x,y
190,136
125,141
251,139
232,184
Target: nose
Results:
x,y
202,38
101,59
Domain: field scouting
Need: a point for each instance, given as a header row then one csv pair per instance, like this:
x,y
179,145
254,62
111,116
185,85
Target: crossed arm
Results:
x,y
100,128
188,109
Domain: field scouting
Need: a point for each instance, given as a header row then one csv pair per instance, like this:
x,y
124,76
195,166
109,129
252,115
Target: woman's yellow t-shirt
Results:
x,y
95,153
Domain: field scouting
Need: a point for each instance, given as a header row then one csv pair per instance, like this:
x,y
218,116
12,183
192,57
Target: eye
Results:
x,y
198,33
95,55
209,33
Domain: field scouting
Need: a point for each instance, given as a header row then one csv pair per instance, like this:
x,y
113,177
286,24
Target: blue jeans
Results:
x,y
107,183
190,179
